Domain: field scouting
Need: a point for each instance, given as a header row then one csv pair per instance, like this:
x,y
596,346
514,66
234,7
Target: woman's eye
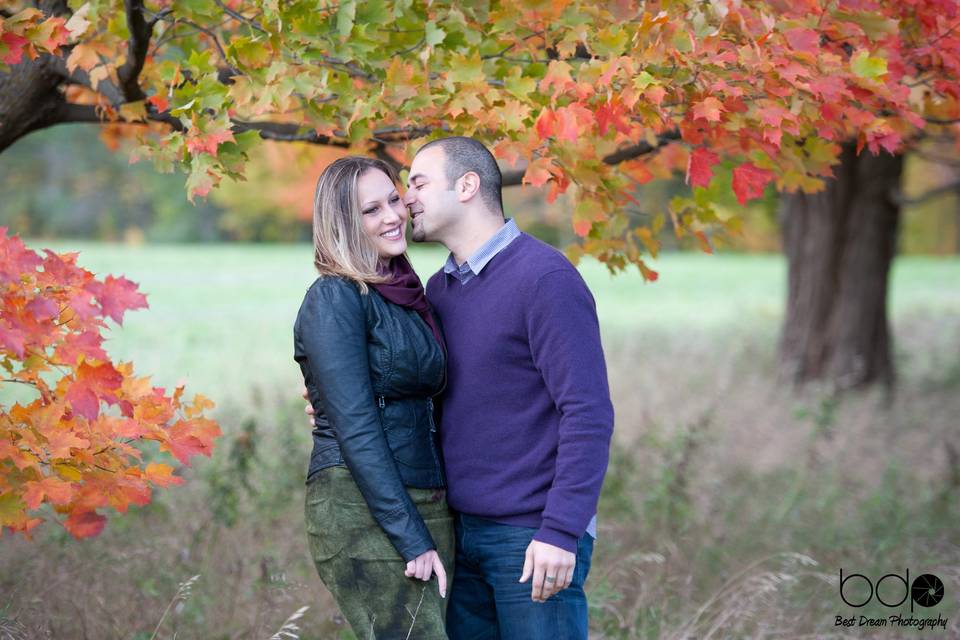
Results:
x,y
369,211
395,199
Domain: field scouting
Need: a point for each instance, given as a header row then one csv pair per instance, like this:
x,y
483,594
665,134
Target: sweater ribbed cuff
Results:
x,y
557,538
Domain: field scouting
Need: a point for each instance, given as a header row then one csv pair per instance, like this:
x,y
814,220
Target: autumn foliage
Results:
x,y
583,97
76,438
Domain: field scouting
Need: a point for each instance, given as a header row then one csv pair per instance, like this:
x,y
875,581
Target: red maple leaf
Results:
x,y
16,45
159,102
15,258
749,181
546,123
86,344
806,40
12,339
191,437
612,113
93,384
117,295
42,309
700,167
208,142
84,524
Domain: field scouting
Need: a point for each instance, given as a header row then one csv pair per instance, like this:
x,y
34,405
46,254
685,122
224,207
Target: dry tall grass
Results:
x,y
730,506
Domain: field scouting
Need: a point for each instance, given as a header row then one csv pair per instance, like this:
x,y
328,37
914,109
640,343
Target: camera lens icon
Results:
x,y
927,590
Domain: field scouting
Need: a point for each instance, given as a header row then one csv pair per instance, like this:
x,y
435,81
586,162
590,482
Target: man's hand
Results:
x,y
309,408
551,568
426,564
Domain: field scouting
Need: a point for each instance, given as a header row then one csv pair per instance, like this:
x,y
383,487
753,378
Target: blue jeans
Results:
x,y
488,603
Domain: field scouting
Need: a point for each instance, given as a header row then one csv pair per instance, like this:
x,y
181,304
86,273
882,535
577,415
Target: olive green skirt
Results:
x,y
363,570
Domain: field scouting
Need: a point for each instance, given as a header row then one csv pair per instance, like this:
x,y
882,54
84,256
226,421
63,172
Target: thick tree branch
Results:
x,y
137,46
515,177
952,187
286,132
80,77
71,113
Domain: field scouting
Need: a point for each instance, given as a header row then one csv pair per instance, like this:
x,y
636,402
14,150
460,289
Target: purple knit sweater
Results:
x,y
526,419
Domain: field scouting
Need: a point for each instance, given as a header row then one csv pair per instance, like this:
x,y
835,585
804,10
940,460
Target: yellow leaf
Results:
x,y
67,471
134,111
84,56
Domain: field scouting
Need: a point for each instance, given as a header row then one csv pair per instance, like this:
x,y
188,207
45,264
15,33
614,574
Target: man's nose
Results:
x,y
408,197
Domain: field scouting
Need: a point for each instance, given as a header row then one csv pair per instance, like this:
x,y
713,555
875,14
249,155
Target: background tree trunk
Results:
x,y
840,244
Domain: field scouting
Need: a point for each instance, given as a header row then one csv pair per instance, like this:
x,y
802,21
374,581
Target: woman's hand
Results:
x,y
426,564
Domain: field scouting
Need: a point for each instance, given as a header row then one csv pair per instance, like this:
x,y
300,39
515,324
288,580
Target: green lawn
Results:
x,y
220,315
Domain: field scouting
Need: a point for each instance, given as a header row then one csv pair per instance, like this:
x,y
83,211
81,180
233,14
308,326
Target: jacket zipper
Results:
x,y
433,443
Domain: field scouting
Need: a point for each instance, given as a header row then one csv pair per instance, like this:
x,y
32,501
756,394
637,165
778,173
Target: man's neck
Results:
x,y
470,239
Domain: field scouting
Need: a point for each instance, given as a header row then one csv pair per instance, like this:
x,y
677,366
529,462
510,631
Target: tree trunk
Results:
x,y
840,244
30,99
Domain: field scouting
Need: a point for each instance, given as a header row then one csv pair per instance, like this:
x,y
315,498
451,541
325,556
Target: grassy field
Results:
x,y
729,508
221,316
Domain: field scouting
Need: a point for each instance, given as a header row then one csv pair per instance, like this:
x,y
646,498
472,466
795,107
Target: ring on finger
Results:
x,y
551,578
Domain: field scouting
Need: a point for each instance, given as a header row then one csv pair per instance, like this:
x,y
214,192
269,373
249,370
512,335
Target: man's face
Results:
x,y
431,200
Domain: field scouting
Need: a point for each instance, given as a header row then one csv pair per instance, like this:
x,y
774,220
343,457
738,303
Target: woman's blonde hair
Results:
x,y
340,245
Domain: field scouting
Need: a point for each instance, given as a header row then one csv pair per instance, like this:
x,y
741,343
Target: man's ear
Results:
x,y
468,185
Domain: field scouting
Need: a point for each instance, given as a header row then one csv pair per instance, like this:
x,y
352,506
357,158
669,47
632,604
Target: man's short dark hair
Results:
x,y
466,154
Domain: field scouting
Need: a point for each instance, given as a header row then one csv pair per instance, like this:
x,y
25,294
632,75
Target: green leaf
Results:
x,y
875,25
610,42
434,34
518,85
373,12
682,41
346,15
199,62
184,108
11,509
866,66
643,80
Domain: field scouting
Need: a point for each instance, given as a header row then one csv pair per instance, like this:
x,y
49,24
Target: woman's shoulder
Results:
x,y
332,296
328,286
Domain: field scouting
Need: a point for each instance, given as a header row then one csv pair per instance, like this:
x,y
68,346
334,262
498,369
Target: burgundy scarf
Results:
x,y
405,289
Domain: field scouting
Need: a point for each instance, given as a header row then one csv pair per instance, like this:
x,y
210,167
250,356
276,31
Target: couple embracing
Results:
x,y
460,432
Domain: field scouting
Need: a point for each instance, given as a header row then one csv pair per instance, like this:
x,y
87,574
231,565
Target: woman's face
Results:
x,y
384,214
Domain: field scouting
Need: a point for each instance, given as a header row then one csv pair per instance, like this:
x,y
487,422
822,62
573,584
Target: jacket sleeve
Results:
x,y
565,344
332,331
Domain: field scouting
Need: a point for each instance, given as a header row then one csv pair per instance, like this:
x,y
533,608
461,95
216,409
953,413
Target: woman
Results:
x,y
372,357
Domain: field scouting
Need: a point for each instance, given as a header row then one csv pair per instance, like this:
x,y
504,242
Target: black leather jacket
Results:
x,y
371,368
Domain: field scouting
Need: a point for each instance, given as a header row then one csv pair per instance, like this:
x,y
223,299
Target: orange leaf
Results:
x,y
159,102
161,475
188,438
85,524
546,123
707,109
538,172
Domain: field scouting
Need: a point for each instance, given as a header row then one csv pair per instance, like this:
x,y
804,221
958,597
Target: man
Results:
x,y
526,416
